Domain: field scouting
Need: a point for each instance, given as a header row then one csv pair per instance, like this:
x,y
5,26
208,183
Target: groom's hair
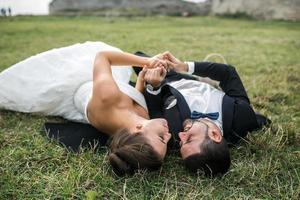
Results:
x,y
213,159
130,152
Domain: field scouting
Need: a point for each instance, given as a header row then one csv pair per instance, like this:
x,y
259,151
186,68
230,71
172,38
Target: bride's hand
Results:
x,y
140,82
155,76
157,61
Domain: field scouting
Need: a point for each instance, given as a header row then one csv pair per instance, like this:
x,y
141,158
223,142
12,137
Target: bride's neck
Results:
x,y
130,120
141,111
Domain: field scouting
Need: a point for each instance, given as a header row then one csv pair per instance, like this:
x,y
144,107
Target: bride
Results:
x,y
79,83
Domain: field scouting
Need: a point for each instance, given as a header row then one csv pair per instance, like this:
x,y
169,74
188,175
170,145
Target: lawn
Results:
x,y
267,57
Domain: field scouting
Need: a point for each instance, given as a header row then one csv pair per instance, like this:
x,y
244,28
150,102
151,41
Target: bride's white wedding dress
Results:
x,y
58,82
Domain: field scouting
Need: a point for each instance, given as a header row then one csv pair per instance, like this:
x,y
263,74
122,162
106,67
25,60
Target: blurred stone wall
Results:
x,y
127,7
259,9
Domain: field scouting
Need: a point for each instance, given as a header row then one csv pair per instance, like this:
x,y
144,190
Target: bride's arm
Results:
x,y
123,58
104,60
104,86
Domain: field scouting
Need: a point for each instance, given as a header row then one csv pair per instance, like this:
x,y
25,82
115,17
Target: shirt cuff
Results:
x,y
154,92
191,67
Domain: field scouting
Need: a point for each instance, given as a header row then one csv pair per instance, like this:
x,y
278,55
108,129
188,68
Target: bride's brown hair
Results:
x,y
131,151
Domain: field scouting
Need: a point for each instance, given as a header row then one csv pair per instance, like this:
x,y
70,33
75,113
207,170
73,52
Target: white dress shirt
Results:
x,y
199,96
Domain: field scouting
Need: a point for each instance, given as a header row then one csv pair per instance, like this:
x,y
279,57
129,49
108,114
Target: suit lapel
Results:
x,y
183,107
172,115
177,114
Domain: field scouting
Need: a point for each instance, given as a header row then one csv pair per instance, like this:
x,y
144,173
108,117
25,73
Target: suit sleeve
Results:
x,y
230,81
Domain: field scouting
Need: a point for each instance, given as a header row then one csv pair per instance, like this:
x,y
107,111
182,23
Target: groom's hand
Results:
x,y
174,63
155,76
157,61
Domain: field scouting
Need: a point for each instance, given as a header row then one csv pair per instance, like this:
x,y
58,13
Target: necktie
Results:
x,y
197,115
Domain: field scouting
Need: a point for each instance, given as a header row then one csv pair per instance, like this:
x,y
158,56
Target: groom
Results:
x,y
204,119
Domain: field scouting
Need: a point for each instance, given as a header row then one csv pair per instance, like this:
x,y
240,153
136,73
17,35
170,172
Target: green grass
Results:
x,y
267,56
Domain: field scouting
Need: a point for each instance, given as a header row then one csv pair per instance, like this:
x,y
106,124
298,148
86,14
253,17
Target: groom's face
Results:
x,y
193,134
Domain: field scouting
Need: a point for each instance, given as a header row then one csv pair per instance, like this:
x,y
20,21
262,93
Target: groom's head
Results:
x,y
203,147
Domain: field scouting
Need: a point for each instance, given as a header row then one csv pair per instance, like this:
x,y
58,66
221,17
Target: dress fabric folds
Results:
x,y
57,82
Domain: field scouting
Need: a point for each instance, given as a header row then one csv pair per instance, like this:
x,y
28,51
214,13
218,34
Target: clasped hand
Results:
x,y
156,71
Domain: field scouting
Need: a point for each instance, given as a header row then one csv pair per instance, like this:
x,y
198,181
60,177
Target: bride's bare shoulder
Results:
x,y
105,92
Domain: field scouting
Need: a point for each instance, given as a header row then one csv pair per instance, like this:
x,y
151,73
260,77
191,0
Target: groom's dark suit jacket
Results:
x,y
237,114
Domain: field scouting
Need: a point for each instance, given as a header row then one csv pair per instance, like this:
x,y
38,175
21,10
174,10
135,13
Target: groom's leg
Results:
x,y
75,136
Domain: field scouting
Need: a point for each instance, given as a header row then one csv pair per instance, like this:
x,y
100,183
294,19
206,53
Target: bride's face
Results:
x,y
156,131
